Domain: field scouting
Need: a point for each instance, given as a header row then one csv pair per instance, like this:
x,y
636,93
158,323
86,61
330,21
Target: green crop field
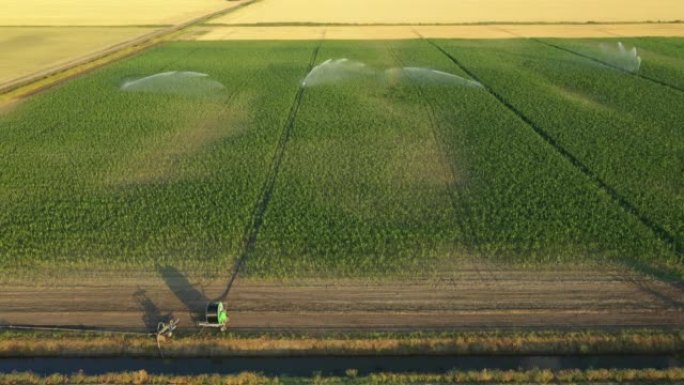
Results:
x,y
663,59
380,168
92,175
472,178
626,130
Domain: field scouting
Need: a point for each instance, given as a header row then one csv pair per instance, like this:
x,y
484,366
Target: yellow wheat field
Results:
x,y
103,12
26,50
456,11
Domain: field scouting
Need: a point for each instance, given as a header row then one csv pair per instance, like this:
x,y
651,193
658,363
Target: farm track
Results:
x,y
505,298
623,202
252,232
226,32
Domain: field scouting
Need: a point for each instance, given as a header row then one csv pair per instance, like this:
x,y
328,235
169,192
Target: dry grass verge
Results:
x,y
13,344
631,376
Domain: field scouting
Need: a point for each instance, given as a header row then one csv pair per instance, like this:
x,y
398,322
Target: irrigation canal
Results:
x,y
332,365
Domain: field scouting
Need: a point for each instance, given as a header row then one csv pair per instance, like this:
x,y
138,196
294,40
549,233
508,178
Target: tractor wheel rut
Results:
x,y
549,298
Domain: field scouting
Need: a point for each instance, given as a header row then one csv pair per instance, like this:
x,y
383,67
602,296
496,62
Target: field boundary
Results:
x,y
625,204
252,232
484,23
595,60
94,343
672,375
57,74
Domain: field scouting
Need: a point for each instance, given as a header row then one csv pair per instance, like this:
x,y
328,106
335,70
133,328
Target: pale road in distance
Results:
x,y
455,11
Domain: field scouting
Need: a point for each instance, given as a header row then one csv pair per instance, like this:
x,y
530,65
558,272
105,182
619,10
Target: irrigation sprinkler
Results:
x,y
165,330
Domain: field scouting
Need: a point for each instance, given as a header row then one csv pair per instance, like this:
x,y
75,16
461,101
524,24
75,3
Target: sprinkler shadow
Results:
x,y
152,315
671,277
193,299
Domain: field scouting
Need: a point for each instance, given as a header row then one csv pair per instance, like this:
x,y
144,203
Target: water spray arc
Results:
x,y
429,76
175,83
621,57
334,71
343,70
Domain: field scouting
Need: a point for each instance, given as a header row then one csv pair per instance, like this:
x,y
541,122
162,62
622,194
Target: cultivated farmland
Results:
x,y
103,13
380,172
42,41
427,171
624,131
145,177
663,59
27,50
539,192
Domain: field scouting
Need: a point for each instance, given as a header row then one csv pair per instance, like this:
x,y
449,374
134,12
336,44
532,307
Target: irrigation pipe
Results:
x,y
81,329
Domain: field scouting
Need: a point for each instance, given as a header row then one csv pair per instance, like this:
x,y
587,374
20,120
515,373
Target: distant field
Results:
x,y
26,50
455,11
103,13
381,174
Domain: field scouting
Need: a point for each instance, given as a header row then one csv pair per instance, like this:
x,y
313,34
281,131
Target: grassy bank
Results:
x,y
13,344
481,377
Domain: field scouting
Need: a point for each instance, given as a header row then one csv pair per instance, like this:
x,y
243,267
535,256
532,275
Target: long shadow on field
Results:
x,y
194,300
152,315
671,277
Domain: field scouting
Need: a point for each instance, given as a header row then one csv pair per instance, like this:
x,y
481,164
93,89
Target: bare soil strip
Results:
x,y
464,299
388,32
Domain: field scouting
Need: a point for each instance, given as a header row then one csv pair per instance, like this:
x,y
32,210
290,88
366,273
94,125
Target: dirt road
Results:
x,y
456,11
392,32
475,297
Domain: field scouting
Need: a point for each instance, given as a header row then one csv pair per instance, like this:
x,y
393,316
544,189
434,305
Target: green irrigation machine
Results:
x,y
215,316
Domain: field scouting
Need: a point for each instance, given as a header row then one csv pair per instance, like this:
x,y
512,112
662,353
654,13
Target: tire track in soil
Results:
x,y
642,285
473,242
535,298
660,232
252,231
